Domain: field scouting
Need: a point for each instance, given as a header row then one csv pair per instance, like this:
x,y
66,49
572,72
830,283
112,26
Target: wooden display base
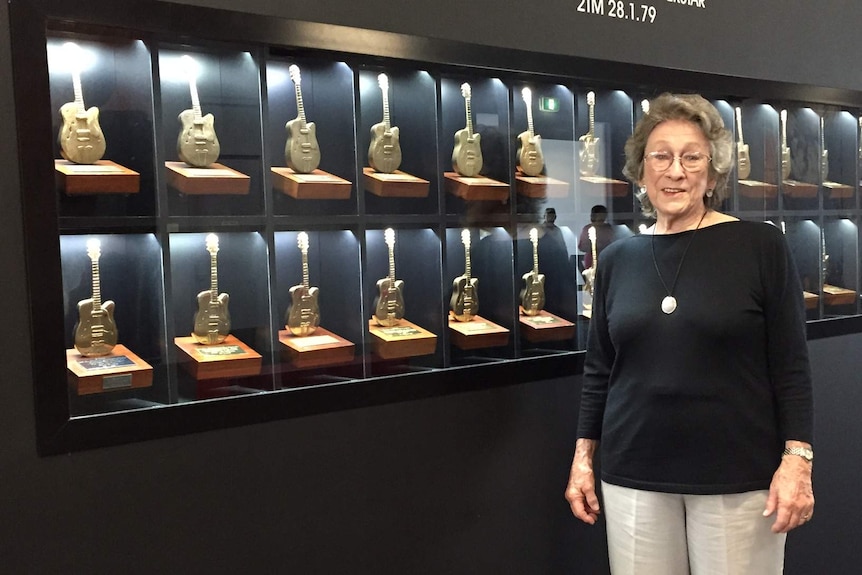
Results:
x,y
478,188
103,177
232,358
398,184
837,190
608,186
477,333
322,348
797,189
216,179
540,187
318,185
545,327
811,299
755,189
121,369
834,295
403,340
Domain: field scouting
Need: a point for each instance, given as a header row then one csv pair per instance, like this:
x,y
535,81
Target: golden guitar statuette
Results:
x,y
303,314
465,289
212,320
389,303
533,294
95,331
197,144
81,139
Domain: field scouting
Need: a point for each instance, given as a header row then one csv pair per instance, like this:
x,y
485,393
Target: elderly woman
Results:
x,y
696,377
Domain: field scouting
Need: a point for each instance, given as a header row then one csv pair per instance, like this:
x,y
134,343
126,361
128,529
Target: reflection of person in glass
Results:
x,y
604,234
696,378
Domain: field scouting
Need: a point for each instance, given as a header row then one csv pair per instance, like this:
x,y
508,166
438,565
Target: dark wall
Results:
x,y
788,40
469,483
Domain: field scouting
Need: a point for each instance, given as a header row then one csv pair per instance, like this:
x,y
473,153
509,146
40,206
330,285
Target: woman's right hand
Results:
x,y
581,490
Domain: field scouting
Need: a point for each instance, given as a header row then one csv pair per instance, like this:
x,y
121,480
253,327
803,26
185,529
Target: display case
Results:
x,y
247,220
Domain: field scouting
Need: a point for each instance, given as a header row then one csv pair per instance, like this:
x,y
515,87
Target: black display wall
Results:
x,y
463,483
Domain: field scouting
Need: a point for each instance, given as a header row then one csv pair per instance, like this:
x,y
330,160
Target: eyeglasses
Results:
x,y
690,162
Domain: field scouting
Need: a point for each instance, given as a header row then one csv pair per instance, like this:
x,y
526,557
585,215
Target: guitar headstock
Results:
x,y
591,98
94,249
383,81
591,233
783,115
212,244
466,92
294,74
465,238
645,106
73,55
189,66
389,236
302,242
534,236
527,95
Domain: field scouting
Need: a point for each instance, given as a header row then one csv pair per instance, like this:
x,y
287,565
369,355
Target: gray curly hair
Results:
x,y
691,108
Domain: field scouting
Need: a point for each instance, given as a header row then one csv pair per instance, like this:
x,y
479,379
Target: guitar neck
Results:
x,y
530,120
536,258
592,119
392,264
386,123
467,265
305,281
79,94
784,130
739,125
213,276
594,252
196,103
469,117
300,109
822,135
97,290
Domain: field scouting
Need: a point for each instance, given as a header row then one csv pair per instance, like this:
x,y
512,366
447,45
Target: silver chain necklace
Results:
x,y
668,304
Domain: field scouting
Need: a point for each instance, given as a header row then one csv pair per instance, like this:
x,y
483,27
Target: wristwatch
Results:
x,y
804,452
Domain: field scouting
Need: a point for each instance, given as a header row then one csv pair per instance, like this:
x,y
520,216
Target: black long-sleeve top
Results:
x,y
701,400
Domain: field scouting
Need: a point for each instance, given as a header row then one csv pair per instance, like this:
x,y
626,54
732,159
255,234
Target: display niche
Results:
x,y
237,220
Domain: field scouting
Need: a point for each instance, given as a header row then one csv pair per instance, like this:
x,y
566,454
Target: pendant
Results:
x,y
668,304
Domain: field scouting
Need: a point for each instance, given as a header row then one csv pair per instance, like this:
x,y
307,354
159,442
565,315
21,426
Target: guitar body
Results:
x,y
533,294
303,313
589,155
743,162
589,276
96,331
389,304
785,162
467,154
465,298
384,153
212,320
301,152
81,139
197,144
530,158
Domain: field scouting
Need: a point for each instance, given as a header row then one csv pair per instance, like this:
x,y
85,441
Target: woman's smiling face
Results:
x,y
676,194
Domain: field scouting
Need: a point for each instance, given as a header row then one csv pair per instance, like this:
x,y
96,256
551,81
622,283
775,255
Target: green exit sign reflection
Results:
x,y
549,104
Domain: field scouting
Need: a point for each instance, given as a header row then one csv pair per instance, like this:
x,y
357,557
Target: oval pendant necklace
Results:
x,y
668,303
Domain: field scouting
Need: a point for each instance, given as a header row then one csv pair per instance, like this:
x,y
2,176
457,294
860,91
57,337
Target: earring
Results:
x,y
708,193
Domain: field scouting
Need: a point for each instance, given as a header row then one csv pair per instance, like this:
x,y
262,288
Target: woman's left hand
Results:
x,y
790,494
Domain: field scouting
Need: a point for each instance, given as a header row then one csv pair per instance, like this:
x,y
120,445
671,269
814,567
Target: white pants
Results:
x,y
652,533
